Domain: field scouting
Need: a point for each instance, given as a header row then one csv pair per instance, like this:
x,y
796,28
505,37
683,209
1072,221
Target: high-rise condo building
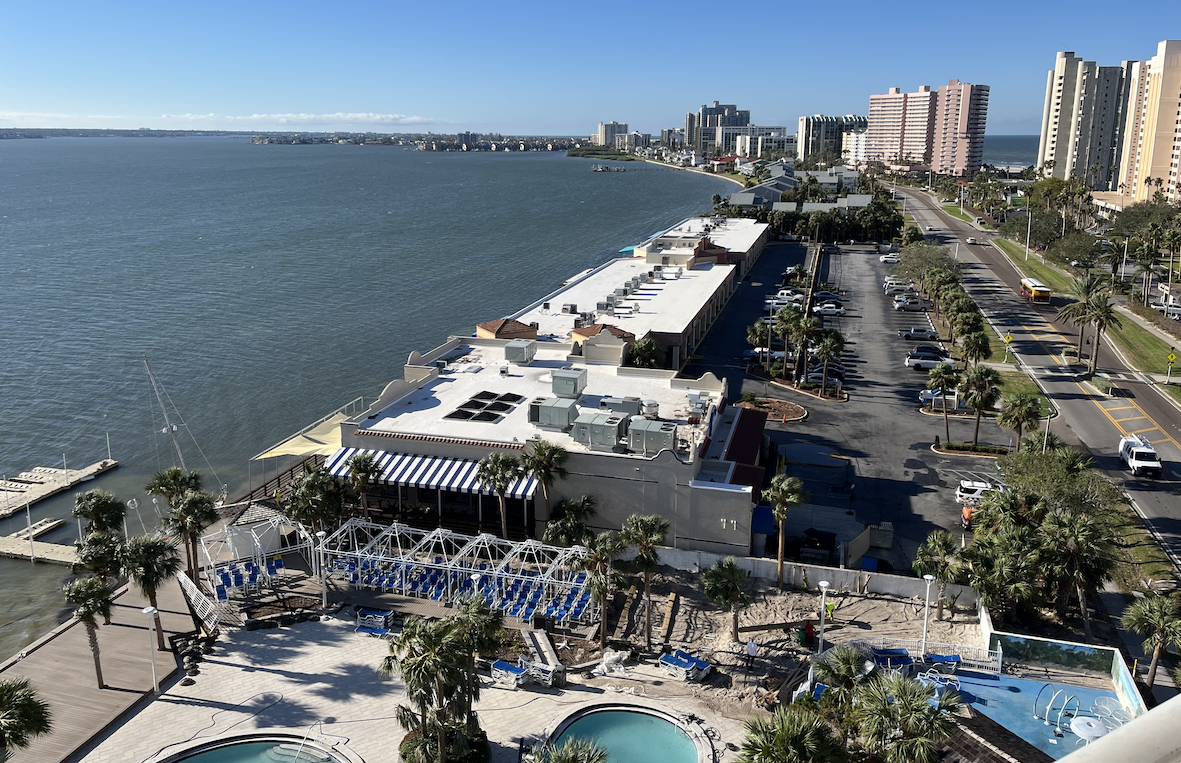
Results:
x,y
699,132
821,136
961,112
943,128
1083,119
901,126
607,132
1152,131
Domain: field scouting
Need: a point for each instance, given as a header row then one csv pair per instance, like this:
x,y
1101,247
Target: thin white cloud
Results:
x,y
337,120
36,119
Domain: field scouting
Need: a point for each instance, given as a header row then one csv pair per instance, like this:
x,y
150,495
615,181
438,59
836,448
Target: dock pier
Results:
x,y
27,488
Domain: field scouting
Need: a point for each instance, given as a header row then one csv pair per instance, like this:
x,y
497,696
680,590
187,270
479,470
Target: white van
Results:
x,y
900,289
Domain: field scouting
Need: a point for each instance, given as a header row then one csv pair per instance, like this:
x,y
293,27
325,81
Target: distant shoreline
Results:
x,y
691,169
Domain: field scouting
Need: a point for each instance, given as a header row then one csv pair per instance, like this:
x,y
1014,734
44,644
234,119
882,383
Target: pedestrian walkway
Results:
x,y
61,668
1114,604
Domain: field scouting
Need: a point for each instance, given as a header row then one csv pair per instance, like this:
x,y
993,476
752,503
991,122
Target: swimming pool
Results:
x,y
261,748
634,734
1010,702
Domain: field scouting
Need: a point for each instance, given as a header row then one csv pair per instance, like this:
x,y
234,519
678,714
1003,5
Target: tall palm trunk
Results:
x,y
648,612
92,637
1156,653
976,432
942,596
440,721
1082,605
734,623
503,516
1095,352
782,546
159,623
946,423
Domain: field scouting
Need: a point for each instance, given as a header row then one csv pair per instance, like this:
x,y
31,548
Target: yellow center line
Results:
x,y
1121,408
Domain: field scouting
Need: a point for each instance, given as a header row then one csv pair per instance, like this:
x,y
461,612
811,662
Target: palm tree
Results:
x,y
546,462
479,628
1158,619
784,494
1076,557
101,553
902,720
23,715
938,557
428,655
793,734
758,335
981,388
646,353
191,513
599,564
1020,410
976,347
90,597
171,484
363,469
1077,312
567,526
317,497
831,344
943,378
102,511
1001,566
842,669
498,471
573,750
1104,317
647,532
150,562
722,585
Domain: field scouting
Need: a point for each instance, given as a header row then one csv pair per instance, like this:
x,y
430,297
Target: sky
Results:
x,y
531,68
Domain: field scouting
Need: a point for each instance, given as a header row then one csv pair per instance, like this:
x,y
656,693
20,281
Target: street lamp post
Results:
x,y
151,613
927,611
823,612
320,567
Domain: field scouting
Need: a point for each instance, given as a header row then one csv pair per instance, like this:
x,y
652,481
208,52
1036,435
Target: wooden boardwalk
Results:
x,y
39,528
62,669
27,488
54,553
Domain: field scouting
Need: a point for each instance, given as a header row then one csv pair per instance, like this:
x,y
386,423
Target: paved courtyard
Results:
x,y
321,677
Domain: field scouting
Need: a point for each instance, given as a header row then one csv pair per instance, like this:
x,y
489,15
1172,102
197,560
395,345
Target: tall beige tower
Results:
x,y
961,113
1152,131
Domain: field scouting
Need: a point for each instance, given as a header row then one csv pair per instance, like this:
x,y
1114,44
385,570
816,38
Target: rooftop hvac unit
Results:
x,y
535,409
678,272
651,437
628,405
569,382
657,268
504,370
621,292
635,283
441,365
571,309
603,307
557,413
545,305
650,408
599,431
612,299
520,351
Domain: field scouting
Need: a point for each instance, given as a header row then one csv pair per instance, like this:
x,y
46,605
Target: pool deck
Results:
x,y
321,677
62,670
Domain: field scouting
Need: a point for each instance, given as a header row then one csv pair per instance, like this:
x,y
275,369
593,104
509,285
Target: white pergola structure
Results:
x,y
257,535
524,579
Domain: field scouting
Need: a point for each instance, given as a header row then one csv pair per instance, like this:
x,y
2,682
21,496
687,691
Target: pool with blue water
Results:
x,y
632,736
1010,702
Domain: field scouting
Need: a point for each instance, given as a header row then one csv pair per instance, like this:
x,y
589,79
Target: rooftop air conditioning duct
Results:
x,y
569,383
650,408
520,351
571,309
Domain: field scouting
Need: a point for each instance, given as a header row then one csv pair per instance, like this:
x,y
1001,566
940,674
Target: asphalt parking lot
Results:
x,y
896,477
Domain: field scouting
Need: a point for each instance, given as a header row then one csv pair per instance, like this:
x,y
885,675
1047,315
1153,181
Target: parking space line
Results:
x,y
1150,429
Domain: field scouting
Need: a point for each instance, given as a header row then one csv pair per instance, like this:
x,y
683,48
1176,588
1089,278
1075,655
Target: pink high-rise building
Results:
x,y
943,129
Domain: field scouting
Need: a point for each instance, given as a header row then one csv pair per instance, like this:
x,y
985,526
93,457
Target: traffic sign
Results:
x,y
1171,357
1008,338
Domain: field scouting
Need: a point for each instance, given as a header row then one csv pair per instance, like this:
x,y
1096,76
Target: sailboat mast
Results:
x,y
169,429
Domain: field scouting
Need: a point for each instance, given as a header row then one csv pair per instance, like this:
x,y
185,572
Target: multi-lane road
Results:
x,y
1096,421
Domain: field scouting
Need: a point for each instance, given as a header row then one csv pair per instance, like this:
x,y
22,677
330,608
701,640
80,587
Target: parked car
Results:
x,y
930,227
825,296
927,396
817,378
891,258
900,289
835,373
752,356
911,305
971,240
919,332
896,281
930,349
970,492
925,361
829,308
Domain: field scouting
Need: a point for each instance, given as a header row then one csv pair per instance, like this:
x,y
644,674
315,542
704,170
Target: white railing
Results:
x,y
971,657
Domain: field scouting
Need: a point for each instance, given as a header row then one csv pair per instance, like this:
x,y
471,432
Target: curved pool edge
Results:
x,y
696,733
335,747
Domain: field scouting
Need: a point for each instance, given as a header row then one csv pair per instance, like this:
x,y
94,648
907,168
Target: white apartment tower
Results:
x,y
961,112
1083,119
1152,131
901,126
605,136
822,137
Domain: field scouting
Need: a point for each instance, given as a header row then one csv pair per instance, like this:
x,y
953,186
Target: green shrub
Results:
x,y
1103,384
967,447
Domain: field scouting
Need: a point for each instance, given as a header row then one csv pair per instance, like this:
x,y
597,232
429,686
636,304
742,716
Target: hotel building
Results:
x,y
942,128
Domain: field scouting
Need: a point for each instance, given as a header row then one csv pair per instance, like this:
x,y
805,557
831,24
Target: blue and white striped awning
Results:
x,y
432,472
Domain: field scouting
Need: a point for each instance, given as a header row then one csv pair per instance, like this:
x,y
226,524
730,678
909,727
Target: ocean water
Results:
x,y
267,285
1010,150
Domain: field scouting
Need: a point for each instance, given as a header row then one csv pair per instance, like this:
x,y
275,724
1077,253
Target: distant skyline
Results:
x,y
529,68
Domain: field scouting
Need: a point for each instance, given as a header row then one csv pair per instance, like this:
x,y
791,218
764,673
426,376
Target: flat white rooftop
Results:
x,y
665,306
737,234
473,372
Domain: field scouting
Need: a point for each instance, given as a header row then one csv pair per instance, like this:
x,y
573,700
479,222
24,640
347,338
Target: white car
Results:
x,y
829,309
926,362
970,492
891,258
971,240
930,227
926,396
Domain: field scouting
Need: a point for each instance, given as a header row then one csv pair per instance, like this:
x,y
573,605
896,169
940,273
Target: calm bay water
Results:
x,y
267,285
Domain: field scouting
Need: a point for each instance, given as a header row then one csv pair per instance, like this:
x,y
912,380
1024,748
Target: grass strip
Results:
x,y
1017,382
1138,556
1033,268
954,211
1146,351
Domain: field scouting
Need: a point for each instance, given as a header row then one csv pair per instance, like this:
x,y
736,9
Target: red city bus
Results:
x,y
1033,290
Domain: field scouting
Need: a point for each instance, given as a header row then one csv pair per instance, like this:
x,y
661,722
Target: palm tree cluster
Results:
x,y
317,497
436,660
24,716
1042,543
545,462
1090,307
879,716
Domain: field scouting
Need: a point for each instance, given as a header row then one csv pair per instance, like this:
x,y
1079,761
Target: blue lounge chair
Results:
x,y
892,658
943,663
508,673
676,667
701,666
